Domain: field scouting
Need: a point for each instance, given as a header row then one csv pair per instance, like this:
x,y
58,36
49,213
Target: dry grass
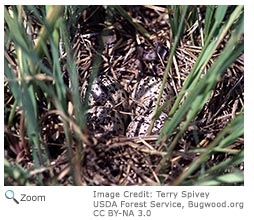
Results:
x,y
122,160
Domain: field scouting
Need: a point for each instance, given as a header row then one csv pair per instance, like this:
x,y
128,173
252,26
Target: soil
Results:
x,y
127,55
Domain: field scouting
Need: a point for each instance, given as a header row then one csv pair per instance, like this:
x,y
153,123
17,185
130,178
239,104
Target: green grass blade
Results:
x,y
207,52
170,60
136,25
232,130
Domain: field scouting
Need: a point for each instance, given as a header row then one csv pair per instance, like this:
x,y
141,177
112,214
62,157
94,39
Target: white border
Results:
x,y
75,202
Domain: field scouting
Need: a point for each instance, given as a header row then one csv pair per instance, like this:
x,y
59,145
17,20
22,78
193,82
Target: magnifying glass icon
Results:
x,y
9,194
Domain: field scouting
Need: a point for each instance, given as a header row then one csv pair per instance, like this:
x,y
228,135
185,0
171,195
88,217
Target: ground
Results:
x,y
126,53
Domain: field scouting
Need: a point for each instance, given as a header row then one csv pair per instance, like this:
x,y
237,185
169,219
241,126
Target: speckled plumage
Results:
x,y
145,95
144,98
106,99
103,121
105,91
140,124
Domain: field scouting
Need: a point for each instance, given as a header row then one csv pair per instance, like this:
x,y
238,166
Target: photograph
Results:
x,y
123,95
